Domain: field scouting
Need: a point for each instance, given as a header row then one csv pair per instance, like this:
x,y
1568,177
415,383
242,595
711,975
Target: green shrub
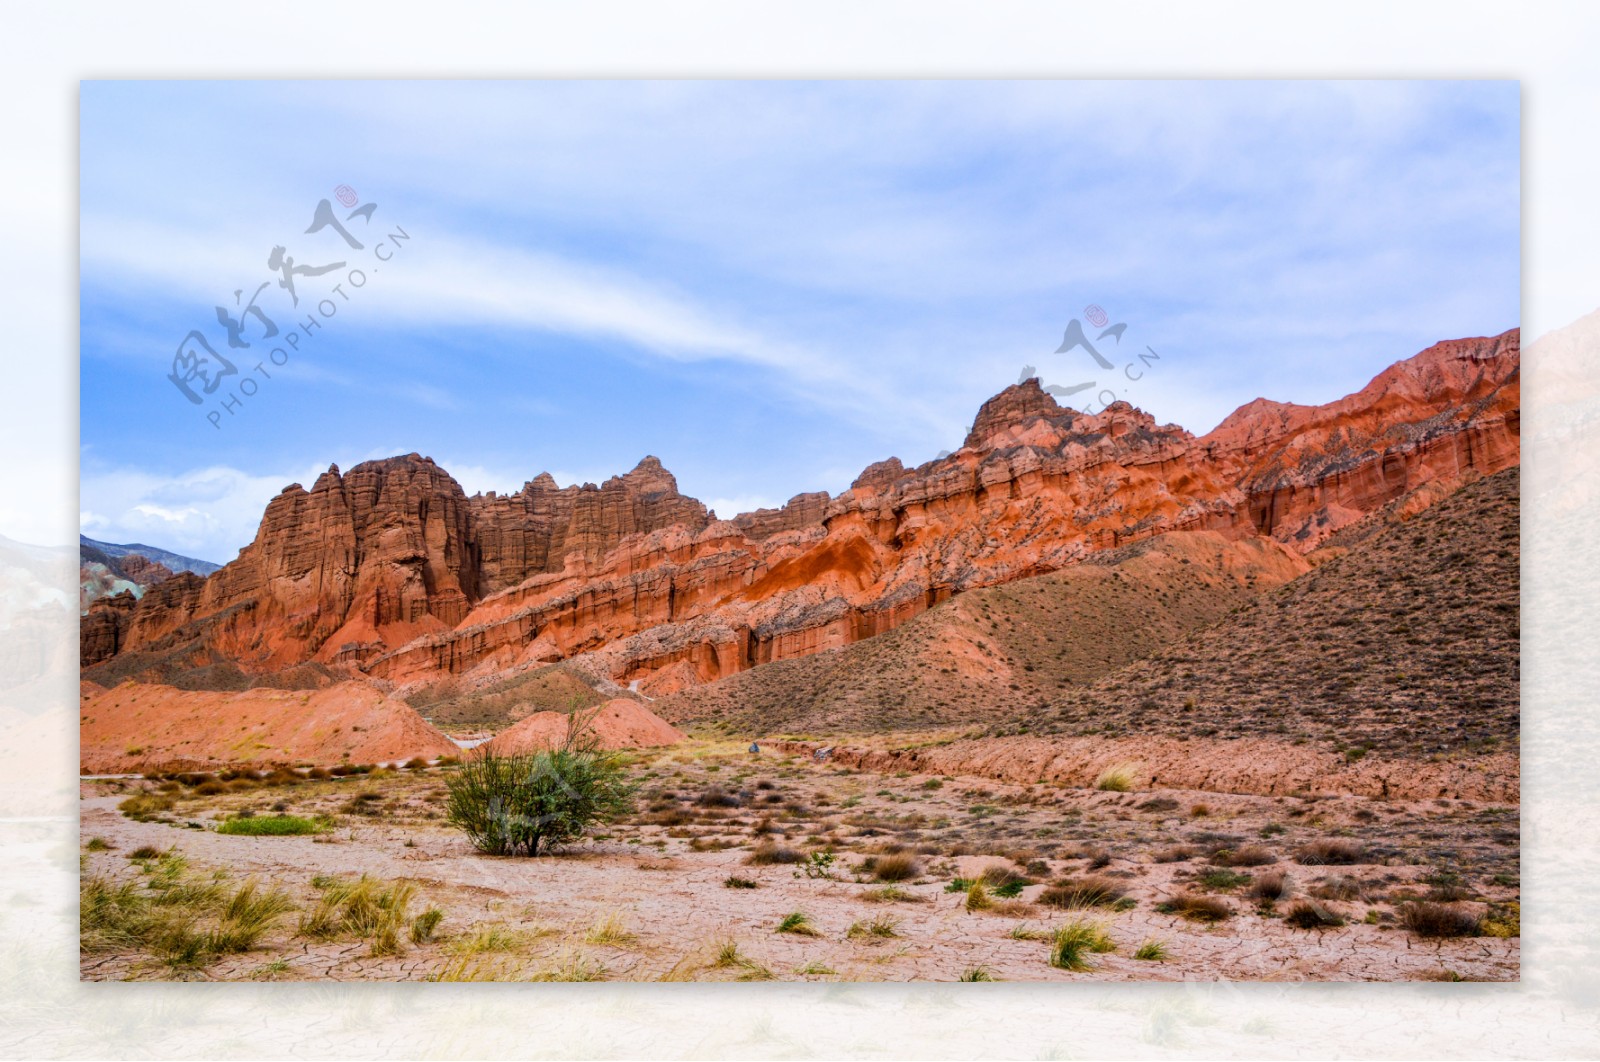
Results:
x,y
1153,950
513,805
798,922
1219,878
1072,943
270,826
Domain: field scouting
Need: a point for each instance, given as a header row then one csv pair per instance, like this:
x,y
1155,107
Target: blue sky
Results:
x,y
768,285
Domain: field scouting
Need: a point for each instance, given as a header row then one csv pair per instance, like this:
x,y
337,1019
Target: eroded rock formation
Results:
x,y
391,570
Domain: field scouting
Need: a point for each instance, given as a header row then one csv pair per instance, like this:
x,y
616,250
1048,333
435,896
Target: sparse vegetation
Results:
x,y
1072,943
874,928
1427,919
900,866
1197,907
1331,851
1307,915
1094,890
610,929
1119,778
798,922
769,853
270,826
978,898
424,925
365,908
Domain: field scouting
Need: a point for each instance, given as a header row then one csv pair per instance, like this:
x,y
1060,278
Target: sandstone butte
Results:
x,y
617,724
390,572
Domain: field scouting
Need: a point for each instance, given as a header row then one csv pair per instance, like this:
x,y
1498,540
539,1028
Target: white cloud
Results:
x,y
728,508
207,513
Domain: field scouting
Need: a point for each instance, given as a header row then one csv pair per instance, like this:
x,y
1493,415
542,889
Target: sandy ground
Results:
x,y
702,810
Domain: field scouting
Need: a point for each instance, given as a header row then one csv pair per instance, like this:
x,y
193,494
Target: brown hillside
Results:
x,y
1407,642
499,703
618,724
989,653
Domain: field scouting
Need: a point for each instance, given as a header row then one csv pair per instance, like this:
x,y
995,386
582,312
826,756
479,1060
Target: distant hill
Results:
x,y
174,562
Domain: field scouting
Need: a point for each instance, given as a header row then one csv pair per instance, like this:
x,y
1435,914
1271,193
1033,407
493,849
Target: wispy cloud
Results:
x,y
758,281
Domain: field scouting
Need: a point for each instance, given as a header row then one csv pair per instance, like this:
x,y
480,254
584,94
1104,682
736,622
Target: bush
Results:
x,y
1306,915
1271,887
363,908
1251,855
1197,908
768,854
1119,778
882,926
1094,890
269,826
424,924
1331,851
1440,920
902,866
797,922
1071,944
1153,950
1220,878
978,898
146,806
1176,853
511,805
735,882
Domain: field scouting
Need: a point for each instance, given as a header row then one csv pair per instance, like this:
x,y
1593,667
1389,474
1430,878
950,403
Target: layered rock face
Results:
x,y
391,570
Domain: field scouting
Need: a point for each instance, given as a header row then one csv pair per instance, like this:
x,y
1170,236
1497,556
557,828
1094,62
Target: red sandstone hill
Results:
x,y
136,727
392,571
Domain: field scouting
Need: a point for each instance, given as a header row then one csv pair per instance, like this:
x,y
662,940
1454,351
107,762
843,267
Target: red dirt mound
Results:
x,y
619,724
135,727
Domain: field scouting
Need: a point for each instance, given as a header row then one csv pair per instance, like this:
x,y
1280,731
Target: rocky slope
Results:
x,y
987,654
390,570
1406,640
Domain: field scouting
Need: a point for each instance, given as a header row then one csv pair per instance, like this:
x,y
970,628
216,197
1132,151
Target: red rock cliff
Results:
x,y
392,570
